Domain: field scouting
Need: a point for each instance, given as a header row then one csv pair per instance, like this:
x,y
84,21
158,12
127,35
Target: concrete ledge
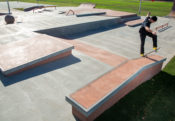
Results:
x,y
77,28
92,100
108,12
134,22
90,14
99,54
121,14
22,55
44,7
132,18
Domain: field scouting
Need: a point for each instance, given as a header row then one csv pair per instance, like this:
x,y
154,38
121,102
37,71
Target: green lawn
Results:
x,y
152,101
157,8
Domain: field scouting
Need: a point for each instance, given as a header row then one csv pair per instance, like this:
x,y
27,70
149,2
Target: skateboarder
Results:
x,y
146,31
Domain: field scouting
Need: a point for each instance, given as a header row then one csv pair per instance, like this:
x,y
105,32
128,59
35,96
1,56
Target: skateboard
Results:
x,y
151,52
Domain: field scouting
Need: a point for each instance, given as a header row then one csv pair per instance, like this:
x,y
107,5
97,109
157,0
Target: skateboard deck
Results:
x,y
151,52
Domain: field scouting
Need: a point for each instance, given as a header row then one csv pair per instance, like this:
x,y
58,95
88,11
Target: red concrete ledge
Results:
x,y
92,100
134,22
22,55
99,54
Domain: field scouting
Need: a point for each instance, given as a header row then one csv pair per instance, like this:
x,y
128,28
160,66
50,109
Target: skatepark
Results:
x,y
57,66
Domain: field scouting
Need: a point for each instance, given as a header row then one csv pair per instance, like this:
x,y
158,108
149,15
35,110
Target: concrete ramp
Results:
x,y
96,97
77,25
22,55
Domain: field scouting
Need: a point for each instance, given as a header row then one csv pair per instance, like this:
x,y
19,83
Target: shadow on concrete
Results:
x,y
32,8
151,58
1,14
164,29
67,61
45,10
155,95
66,31
84,34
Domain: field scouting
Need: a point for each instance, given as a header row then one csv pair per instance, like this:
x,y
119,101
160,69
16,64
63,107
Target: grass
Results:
x,y
21,9
157,8
152,101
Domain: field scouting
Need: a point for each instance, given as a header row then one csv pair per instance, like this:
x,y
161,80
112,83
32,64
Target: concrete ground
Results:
x,y
125,41
39,93
16,4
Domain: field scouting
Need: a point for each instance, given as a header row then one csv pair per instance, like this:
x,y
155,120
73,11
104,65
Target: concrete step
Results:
x,y
96,97
22,55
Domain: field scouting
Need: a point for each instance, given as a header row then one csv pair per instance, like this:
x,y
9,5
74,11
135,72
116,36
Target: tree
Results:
x,y
172,13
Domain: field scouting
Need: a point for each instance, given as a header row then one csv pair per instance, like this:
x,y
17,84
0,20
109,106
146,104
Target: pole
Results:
x,y
140,7
8,6
37,2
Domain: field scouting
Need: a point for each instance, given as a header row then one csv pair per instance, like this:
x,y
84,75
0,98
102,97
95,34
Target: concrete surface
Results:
x,y
39,94
96,97
125,41
91,94
16,4
23,54
59,25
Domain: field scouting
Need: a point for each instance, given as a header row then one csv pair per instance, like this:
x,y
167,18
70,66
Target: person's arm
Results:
x,y
149,30
148,14
146,27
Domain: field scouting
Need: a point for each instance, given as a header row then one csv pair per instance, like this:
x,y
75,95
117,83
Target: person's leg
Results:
x,y
142,38
154,38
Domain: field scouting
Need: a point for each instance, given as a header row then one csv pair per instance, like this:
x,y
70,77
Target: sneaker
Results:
x,y
155,48
142,55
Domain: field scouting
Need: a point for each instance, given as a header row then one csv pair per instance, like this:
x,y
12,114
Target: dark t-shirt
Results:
x,y
144,24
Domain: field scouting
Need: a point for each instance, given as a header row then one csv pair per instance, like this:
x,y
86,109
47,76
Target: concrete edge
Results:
x,y
36,61
90,110
90,14
81,27
126,19
134,25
